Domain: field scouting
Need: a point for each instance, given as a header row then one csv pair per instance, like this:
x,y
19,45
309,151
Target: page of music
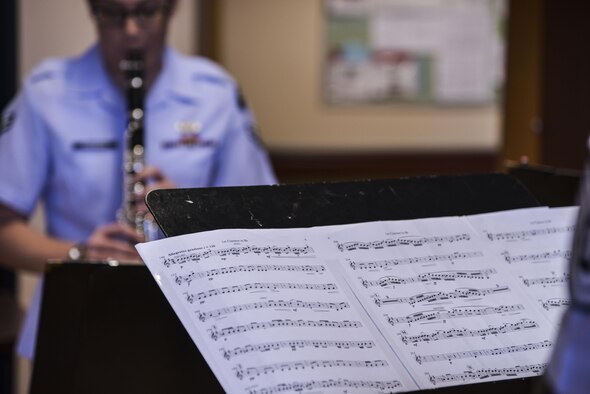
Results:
x,y
377,307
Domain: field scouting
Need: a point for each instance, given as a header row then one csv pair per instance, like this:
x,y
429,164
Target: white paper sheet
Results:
x,y
372,307
269,315
535,246
442,302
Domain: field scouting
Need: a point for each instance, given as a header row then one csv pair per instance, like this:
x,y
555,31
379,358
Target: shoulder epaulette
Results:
x,y
47,70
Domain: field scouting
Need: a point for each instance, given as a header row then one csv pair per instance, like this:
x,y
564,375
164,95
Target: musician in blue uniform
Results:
x,y
568,371
62,141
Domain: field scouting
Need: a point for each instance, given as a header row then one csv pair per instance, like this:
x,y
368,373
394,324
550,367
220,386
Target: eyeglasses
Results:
x,y
145,14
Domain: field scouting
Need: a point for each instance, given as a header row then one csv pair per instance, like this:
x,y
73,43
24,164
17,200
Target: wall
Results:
x,y
64,28
275,48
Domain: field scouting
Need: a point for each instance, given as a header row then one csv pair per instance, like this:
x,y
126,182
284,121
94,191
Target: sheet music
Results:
x,y
535,246
440,298
268,314
372,307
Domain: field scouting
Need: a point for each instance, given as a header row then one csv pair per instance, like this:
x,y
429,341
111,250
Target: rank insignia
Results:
x,y
189,136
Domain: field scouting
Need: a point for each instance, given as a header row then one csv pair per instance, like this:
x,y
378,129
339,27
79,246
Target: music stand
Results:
x,y
184,211
110,329
554,187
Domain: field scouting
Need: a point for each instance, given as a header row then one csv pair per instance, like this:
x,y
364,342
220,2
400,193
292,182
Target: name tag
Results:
x,y
188,140
94,145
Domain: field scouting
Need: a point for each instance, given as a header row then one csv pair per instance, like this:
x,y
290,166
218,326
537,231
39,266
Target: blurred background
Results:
x,y
353,89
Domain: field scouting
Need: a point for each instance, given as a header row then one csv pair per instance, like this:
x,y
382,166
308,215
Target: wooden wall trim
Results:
x,y
206,28
297,168
523,78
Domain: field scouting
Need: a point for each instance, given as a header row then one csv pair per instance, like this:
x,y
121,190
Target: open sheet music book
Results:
x,y
373,307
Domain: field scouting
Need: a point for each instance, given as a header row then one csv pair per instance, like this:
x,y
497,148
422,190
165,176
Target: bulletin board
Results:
x,y
434,52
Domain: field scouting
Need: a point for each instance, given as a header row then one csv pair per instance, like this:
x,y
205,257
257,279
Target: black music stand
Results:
x,y
110,329
554,187
184,211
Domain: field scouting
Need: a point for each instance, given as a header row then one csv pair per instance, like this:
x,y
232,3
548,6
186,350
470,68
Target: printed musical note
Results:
x,y
413,260
382,386
188,278
258,286
438,335
553,303
292,304
268,251
295,344
252,372
464,293
430,277
549,280
483,352
524,234
481,374
216,334
401,241
564,254
458,312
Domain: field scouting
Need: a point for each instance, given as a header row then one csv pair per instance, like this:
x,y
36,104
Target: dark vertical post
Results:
x,y
206,25
8,42
523,75
566,83
8,78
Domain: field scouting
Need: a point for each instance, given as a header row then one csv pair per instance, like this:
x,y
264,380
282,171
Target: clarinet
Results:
x,y
134,156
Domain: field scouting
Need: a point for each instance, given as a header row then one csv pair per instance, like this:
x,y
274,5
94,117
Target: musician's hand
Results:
x,y
154,179
113,242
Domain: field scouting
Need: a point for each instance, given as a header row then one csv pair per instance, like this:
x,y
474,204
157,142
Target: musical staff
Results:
x,y
483,352
296,344
524,234
458,312
382,386
267,251
463,293
188,278
258,286
486,373
281,323
413,260
402,241
438,335
549,280
564,254
553,303
429,277
291,304
252,372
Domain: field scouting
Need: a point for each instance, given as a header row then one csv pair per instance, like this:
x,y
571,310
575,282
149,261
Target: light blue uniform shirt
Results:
x,y
62,141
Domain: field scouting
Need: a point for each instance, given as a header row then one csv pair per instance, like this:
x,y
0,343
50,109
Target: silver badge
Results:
x,y
187,126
